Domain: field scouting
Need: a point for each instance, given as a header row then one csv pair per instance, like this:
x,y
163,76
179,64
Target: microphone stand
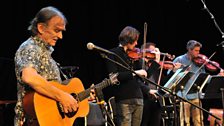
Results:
x,y
213,18
103,55
103,106
219,29
173,101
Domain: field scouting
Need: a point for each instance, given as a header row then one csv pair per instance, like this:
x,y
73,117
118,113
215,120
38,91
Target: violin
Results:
x,y
137,54
151,55
134,54
211,66
167,65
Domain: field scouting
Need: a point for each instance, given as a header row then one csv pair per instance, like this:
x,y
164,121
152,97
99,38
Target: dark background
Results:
x,y
171,23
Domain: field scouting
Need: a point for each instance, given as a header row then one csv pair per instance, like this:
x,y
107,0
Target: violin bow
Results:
x,y
144,44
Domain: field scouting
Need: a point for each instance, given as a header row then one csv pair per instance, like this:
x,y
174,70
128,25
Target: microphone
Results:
x,y
91,46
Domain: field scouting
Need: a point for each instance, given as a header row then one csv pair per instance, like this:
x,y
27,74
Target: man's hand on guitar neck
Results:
x,y
92,96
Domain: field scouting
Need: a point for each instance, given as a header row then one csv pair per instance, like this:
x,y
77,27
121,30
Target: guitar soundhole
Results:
x,y
70,114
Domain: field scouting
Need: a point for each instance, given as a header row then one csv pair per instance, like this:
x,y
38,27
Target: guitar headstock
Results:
x,y
113,78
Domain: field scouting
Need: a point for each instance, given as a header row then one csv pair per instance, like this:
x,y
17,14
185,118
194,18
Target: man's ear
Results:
x,y
41,28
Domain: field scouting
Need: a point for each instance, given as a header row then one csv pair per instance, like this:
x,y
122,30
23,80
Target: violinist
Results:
x,y
186,109
152,53
128,94
152,108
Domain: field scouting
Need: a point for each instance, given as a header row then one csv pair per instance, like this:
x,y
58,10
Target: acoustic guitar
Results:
x,y
49,112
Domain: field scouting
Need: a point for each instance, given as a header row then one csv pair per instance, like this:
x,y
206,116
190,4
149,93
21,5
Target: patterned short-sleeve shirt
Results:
x,y
35,53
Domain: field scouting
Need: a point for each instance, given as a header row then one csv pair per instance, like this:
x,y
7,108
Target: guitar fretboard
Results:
x,y
85,94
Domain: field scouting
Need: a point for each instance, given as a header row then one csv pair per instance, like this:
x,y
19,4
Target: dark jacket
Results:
x,y
130,87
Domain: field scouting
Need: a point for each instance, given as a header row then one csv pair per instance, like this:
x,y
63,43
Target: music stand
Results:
x,y
181,87
173,80
196,81
213,88
202,81
190,83
179,79
174,84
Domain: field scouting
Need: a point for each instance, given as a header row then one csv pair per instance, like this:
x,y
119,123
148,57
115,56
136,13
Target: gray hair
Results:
x,y
191,44
43,16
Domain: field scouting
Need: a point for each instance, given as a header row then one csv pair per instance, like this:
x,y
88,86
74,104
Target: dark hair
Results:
x,y
148,44
43,16
191,44
128,35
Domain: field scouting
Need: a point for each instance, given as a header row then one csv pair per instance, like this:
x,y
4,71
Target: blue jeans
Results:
x,y
129,114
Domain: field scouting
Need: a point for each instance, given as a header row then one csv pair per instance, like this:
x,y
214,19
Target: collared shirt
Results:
x,y
185,60
36,53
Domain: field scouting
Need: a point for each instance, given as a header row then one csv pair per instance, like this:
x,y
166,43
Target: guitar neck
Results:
x,y
86,93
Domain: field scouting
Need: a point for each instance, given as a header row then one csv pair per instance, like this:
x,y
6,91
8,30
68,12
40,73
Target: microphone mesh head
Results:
x,y
90,46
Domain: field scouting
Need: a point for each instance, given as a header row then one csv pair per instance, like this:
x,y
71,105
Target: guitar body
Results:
x,y
46,109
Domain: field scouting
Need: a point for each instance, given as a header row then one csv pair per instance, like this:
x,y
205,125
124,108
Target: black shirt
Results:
x,y
130,87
